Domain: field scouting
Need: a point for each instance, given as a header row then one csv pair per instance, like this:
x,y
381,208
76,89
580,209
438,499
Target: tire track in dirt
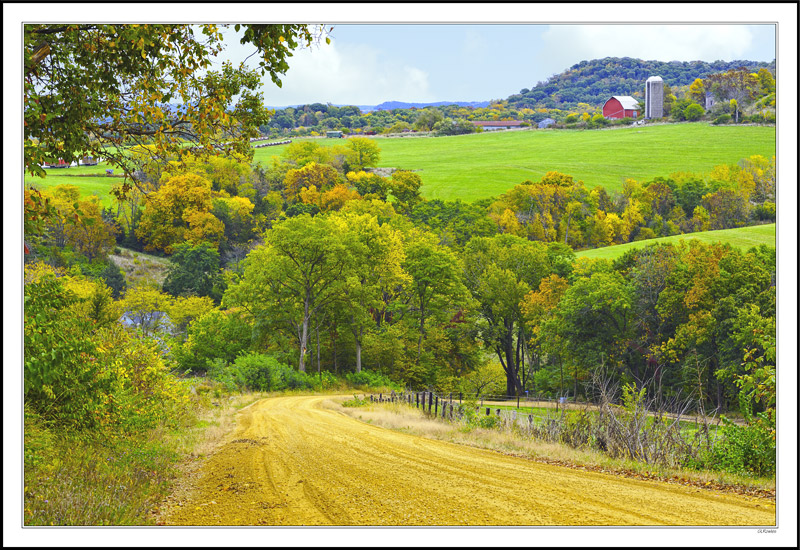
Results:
x,y
290,461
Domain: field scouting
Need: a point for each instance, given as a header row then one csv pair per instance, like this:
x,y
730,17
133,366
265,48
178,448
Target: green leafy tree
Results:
x,y
404,188
427,119
436,289
220,335
114,278
375,255
129,77
366,152
292,276
194,271
595,321
499,272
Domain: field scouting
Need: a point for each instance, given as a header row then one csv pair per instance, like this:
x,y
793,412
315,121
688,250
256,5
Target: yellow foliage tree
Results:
x,y
179,211
321,176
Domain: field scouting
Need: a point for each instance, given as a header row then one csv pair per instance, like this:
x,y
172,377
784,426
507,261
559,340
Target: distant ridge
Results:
x,y
389,105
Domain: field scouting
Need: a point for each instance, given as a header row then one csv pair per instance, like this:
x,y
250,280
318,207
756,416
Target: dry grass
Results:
x,y
138,267
515,442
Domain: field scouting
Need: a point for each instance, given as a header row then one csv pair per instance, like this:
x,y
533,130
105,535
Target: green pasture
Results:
x,y
91,180
476,166
742,238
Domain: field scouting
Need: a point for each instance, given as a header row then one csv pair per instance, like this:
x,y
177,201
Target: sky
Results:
x,y
366,64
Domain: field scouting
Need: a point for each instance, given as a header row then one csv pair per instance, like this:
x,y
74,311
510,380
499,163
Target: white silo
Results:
x,y
654,97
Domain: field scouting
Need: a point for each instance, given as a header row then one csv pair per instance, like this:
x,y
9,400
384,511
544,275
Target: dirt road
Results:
x,y
292,461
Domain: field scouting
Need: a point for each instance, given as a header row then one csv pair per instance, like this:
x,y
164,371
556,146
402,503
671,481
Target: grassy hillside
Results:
x,y
743,237
476,166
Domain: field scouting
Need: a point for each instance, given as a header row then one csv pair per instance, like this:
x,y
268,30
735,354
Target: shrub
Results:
x,y
723,119
367,379
261,372
693,112
215,334
355,402
489,422
765,212
748,450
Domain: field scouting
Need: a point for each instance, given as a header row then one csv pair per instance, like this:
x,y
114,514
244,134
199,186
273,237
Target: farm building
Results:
x,y
497,124
333,134
654,97
621,106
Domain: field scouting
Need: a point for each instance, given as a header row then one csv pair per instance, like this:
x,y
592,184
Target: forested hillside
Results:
x,y
593,82
574,97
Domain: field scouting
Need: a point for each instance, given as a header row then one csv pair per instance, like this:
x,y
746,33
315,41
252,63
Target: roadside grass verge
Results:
x,y
117,479
401,417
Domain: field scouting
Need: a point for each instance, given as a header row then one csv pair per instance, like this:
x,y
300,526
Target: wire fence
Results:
x,y
652,436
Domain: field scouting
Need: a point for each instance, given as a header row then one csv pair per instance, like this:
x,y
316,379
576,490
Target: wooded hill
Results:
x,y
594,81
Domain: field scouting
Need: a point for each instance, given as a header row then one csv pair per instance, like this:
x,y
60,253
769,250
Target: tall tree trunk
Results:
x,y
335,354
304,338
319,369
421,334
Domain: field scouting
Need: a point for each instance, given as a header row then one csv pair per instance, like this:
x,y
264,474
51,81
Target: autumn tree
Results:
x,y
737,85
320,176
180,211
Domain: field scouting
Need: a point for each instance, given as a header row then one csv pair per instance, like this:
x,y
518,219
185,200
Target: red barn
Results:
x,y
621,106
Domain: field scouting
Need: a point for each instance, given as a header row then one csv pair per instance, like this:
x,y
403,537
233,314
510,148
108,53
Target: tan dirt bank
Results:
x,y
290,461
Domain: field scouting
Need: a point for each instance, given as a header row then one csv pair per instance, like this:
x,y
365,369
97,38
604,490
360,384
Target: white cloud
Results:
x,y
569,44
347,74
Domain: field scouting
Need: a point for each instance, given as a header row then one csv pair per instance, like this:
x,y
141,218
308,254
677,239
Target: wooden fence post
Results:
x,y
488,409
436,410
417,394
430,401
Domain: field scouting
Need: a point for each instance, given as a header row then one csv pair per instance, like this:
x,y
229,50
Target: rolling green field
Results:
x,y
743,238
90,179
476,166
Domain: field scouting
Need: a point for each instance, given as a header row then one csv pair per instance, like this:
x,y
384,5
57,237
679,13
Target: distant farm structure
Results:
x,y
621,106
489,125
